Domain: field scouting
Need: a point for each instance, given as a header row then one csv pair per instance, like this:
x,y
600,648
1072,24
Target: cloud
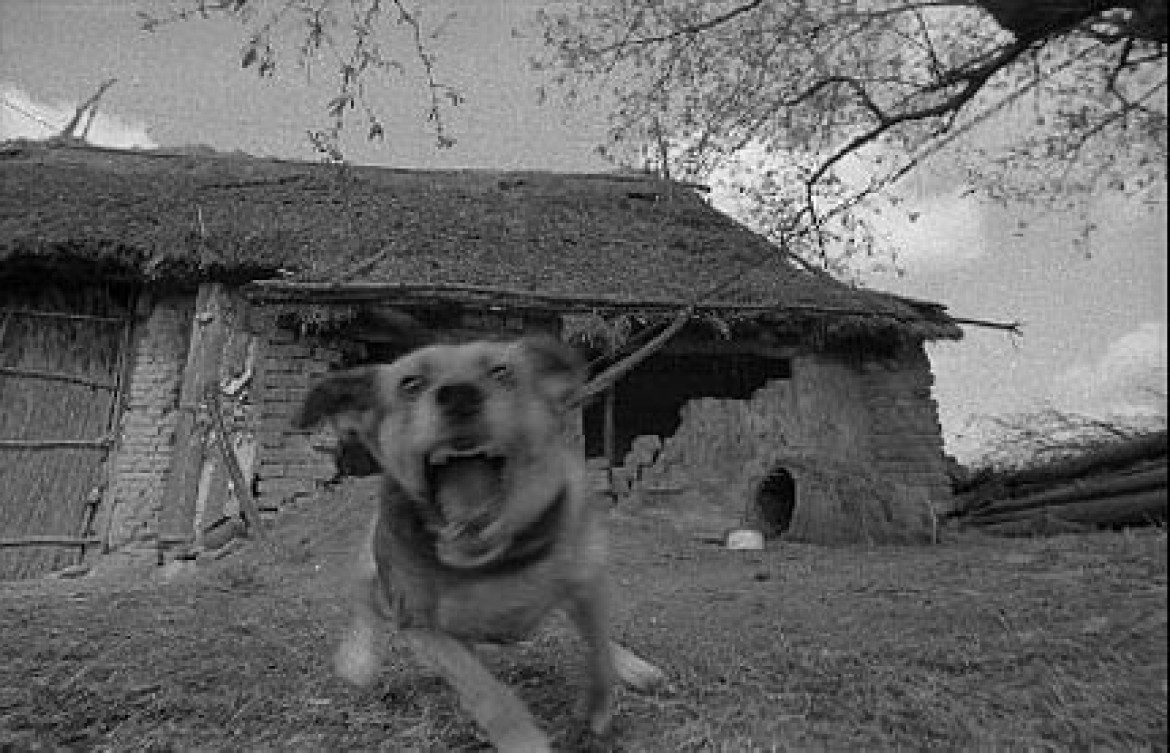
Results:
x,y
22,117
1128,379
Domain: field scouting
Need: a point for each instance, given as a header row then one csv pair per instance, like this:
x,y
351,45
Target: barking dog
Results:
x,y
483,527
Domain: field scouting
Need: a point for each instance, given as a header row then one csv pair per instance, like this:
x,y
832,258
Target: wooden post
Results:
x,y
609,439
208,329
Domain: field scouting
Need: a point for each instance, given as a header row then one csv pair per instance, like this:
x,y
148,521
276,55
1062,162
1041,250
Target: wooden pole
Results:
x,y
609,437
248,508
610,376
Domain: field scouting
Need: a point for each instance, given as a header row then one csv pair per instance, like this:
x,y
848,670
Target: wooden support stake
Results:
x,y
609,438
239,483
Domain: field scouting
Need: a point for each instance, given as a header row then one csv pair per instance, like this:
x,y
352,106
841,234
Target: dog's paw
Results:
x,y
636,671
597,704
600,718
357,660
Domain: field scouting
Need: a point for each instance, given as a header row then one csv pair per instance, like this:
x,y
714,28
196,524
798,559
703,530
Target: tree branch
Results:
x,y
690,30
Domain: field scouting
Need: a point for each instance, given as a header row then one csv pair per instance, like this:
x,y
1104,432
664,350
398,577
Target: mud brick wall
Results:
x,y
875,418
905,437
291,464
148,422
723,447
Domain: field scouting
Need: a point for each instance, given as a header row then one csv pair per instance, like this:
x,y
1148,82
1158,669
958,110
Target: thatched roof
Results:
x,y
319,232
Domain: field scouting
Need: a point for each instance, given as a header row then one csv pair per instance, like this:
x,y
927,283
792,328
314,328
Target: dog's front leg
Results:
x,y
589,611
501,714
360,655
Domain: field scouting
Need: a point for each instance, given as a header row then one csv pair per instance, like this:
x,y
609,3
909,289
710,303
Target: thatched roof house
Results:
x,y
226,269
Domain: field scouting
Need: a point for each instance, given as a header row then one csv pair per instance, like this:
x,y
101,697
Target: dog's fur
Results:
x,y
483,527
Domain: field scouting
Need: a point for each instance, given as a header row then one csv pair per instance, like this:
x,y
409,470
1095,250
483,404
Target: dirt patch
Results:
x,y
980,642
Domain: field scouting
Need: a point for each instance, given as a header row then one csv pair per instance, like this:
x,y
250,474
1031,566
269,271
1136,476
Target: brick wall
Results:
x,y
905,435
290,463
148,422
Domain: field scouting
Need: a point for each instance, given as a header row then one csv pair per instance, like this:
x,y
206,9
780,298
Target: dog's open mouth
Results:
x,y
467,487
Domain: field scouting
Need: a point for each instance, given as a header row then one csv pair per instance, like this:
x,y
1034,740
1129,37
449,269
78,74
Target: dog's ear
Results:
x,y
559,369
344,398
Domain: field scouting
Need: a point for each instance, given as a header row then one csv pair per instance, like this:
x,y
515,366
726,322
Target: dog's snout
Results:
x,y
459,400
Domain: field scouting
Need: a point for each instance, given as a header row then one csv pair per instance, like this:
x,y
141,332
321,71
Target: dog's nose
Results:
x,y
459,400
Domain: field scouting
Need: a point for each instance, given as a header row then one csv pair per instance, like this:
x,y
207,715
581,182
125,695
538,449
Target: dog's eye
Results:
x,y
503,374
412,386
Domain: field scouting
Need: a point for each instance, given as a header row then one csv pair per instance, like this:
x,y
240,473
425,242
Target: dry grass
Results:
x,y
979,643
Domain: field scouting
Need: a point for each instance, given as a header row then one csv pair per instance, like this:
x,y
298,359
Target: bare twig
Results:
x,y
88,107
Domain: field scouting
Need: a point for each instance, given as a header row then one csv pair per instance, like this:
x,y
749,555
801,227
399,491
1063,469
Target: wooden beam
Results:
x,y
610,376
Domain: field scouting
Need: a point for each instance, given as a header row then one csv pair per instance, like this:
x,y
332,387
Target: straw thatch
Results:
x,y
310,232
56,410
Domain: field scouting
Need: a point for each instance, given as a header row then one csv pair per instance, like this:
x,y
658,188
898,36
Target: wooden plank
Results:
x,y
239,483
55,377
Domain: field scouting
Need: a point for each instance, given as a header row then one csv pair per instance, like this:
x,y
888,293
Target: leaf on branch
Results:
x,y
251,53
339,104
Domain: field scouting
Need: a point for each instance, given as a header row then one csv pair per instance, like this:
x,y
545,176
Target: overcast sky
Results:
x,y
1094,326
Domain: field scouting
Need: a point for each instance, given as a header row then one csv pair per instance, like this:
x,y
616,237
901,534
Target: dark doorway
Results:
x,y
776,502
649,400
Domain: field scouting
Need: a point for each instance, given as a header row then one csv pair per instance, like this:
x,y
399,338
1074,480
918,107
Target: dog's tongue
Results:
x,y
467,491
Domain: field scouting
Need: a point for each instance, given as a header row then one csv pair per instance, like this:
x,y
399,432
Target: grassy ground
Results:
x,y
1046,644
